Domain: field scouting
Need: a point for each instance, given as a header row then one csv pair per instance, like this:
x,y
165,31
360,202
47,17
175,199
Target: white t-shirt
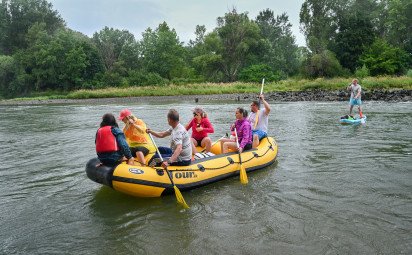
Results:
x,y
354,90
179,135
262,121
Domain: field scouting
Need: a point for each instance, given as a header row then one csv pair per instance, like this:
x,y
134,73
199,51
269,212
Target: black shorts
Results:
x,y
199,142
142,149
247,147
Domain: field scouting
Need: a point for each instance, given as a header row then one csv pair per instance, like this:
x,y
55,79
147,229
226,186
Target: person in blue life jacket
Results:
x,y
111,145
355,97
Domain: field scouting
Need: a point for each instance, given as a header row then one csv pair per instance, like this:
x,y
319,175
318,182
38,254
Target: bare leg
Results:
x,y
350,109
194,144
140,157
229,145
207,144
255,142
223,141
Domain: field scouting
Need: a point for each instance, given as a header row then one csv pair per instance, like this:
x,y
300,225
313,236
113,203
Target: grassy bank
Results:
x,y
369,83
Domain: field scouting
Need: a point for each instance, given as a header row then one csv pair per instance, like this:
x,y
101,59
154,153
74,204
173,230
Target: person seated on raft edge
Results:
x,y
136,136
111,145
200,126
258,118
244,133
180,153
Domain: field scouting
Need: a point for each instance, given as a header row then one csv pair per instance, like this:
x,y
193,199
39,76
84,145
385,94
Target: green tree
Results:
x,y
323,64
62,61
162,52
238,35
17,16
280,52
319,22
116,45
398,24
355,34
383,58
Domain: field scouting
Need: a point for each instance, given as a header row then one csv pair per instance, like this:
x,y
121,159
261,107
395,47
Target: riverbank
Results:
x,y
291,96
374,88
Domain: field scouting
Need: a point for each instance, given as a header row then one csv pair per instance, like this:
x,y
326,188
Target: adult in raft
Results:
x,y
355,96
200,126
180,151
136,136
244,134
258,118
111,145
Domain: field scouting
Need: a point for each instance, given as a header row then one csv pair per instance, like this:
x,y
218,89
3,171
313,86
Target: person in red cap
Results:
x,y
111,145
136,136
200,126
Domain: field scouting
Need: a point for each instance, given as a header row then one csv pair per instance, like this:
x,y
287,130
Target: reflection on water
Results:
x,y
334,189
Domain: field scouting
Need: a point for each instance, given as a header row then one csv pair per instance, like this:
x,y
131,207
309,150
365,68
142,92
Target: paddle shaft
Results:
x,y
238,147
161,158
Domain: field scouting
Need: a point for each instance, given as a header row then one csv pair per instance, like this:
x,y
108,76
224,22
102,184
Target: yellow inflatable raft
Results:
x,y
145,181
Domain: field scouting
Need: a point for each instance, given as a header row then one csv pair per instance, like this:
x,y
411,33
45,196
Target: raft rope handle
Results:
x,y
217,168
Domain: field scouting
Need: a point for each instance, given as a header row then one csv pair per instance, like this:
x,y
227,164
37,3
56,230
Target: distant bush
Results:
x,y
362,72
255,73
409,73
139,78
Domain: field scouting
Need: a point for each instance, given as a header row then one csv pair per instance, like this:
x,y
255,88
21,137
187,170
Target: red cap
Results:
x,y
124,113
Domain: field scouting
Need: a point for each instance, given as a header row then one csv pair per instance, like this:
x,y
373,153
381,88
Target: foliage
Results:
x,y
409,73
279,49
162,52
17,16
116,45
362,72
237,36
255,73
383,58
323,64
139,78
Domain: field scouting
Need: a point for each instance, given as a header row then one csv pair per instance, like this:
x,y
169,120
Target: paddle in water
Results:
x,y
179,196
243,175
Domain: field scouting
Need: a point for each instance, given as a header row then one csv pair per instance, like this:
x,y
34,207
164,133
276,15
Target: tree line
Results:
x,y
38,52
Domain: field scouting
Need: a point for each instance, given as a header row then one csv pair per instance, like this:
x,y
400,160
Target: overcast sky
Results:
x,y
89,16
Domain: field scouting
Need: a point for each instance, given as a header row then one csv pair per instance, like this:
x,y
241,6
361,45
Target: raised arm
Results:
x,y
265,104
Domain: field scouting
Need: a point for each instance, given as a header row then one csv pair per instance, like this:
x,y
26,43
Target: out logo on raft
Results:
x,y
136,171
179,175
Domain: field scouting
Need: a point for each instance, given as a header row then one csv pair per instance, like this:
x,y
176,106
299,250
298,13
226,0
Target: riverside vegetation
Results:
x,y
40,57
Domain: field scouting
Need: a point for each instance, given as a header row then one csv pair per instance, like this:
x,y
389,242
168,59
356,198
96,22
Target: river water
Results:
x,y
333,190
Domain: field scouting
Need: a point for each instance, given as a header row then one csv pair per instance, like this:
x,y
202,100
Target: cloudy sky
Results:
x,y
89,16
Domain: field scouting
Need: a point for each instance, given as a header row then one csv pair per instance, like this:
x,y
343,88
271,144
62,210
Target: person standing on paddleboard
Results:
x,y
355,96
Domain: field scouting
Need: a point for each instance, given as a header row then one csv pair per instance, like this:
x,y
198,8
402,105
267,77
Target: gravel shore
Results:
x,y
318,95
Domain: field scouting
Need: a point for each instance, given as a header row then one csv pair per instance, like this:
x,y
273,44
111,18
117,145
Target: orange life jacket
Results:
x,y
105,140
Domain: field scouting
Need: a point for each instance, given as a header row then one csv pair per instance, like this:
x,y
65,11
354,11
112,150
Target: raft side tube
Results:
x,y
99,173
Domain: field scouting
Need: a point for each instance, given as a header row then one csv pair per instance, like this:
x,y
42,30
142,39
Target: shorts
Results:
x,y
247,147
354,101
199,142
260,133
142,149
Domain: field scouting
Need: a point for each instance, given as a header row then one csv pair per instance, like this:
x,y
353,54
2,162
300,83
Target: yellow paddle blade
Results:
x,y
180,198
243,175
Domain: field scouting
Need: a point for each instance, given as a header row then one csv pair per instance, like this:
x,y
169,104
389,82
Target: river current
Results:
x,y
333,190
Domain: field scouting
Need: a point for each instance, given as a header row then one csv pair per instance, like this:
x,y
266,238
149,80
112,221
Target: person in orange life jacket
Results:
x,y
258,119
244,133
200,126
180,153
136,136
111,145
